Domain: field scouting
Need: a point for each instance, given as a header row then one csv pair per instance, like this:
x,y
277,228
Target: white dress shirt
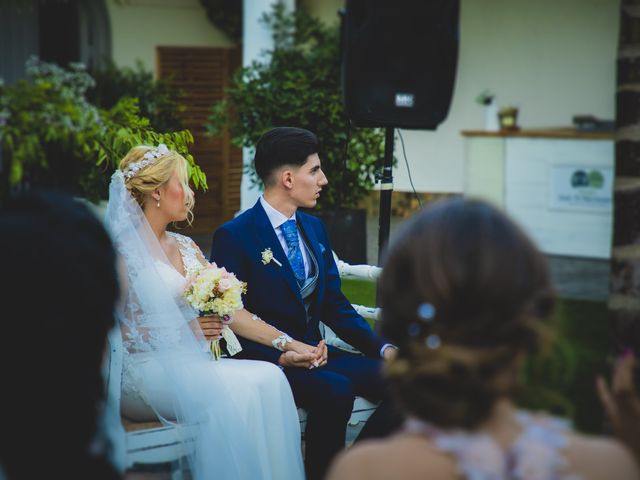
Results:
x,y
277,219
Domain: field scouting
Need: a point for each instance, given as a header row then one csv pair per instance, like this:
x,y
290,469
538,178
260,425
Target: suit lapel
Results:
x,y
266,237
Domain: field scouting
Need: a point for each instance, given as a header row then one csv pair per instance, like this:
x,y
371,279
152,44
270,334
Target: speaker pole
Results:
x,y
386,188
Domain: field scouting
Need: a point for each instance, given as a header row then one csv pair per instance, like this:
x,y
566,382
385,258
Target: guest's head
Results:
x,y
162,184
287,157
58,301
464,294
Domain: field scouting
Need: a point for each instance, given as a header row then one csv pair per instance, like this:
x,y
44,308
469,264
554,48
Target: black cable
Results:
x,y
404,154
344,163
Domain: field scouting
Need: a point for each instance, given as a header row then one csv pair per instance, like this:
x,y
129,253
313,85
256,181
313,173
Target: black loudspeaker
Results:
x,y
399,61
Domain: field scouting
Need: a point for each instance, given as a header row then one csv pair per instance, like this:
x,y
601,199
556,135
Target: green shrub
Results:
x,y
53,137
158,100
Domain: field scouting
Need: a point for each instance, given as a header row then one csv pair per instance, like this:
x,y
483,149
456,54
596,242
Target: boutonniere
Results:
x,y
267,256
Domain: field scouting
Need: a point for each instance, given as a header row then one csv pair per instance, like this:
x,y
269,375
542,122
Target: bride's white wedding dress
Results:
x,y
259,390
236,418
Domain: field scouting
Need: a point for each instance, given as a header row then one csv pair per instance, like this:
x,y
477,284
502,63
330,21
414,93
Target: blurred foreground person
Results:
x,y
59,290
621,402
464,293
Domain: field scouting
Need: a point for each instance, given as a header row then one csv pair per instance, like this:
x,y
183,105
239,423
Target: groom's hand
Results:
x,y
390,353
295,359
320,352
211,326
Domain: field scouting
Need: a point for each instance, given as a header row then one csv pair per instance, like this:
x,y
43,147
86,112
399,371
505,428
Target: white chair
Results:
x,y
364,272
136,443
147,443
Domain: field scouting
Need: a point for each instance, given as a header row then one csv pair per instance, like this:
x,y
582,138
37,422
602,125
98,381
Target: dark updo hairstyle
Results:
x,y
283,146
490,290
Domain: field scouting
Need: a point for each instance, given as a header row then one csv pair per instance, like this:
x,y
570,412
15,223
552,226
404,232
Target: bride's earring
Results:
x,y
158,202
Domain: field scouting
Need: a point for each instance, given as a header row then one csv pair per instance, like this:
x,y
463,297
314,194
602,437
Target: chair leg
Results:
x,y
176,470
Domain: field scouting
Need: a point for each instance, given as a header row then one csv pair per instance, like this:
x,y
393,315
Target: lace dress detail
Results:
x,y
158,335
535,455
191,255
193,260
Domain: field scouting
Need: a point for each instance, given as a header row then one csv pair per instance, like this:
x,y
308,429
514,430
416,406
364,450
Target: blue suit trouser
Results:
x,y
327,394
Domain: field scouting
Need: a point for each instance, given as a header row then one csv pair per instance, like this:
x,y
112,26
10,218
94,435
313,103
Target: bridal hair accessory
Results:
x,y
426,313
148,158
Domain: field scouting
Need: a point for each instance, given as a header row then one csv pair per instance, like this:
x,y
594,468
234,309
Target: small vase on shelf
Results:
x,y
488,101
491,123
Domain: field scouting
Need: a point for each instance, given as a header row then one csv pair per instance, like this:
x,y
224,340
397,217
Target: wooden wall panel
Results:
x,y
202,73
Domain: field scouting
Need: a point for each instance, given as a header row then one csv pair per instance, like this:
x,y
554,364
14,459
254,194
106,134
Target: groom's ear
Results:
x,y
286,178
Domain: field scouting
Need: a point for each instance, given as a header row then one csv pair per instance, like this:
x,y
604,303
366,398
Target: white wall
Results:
x,y
551,58
560,227
326,10
139,26
257,39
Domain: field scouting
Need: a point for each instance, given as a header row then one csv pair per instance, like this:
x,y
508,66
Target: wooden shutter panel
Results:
x,y
202,74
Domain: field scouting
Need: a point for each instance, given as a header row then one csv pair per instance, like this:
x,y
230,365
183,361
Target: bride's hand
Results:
x,y
211,326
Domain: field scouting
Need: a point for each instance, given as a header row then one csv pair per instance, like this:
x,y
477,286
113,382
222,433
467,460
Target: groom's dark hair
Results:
x,y
283,146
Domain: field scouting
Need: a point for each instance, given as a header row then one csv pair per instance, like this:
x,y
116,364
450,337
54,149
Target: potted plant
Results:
x,y
300,87
508,118
53,137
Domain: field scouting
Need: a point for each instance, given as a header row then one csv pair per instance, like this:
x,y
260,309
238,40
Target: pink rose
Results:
x,y
190,281
224,284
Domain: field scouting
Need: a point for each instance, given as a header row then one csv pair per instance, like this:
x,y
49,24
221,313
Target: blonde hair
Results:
x,y
150,178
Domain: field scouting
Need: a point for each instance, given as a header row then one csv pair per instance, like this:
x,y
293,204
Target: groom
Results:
x,y
293,283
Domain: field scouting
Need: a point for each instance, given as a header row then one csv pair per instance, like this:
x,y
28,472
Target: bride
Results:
x,y
237,418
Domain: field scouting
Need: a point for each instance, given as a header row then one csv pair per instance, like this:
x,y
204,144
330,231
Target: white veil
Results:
x,y
215,436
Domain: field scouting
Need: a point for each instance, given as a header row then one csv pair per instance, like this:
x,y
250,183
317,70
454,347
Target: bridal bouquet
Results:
x,y
215,291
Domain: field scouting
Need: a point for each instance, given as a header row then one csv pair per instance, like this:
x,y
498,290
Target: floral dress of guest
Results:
x,y
536,454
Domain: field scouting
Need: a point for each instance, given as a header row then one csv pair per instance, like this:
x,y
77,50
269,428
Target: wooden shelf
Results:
x,y
562,132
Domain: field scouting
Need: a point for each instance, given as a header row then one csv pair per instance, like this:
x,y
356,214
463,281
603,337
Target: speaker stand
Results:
x,y
386,188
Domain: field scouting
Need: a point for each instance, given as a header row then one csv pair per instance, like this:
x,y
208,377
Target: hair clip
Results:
x,y
426,312
413,329
433,341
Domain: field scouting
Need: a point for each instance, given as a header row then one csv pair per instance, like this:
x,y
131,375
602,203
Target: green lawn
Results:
x,y
563,381
360,292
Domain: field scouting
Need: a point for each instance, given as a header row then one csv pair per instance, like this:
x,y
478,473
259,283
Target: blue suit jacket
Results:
x,y
273,292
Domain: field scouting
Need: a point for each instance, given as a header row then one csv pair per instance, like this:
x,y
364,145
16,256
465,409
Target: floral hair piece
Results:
x,y
148,158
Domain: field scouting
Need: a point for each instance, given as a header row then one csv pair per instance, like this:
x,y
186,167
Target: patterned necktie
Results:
x,y
290,232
